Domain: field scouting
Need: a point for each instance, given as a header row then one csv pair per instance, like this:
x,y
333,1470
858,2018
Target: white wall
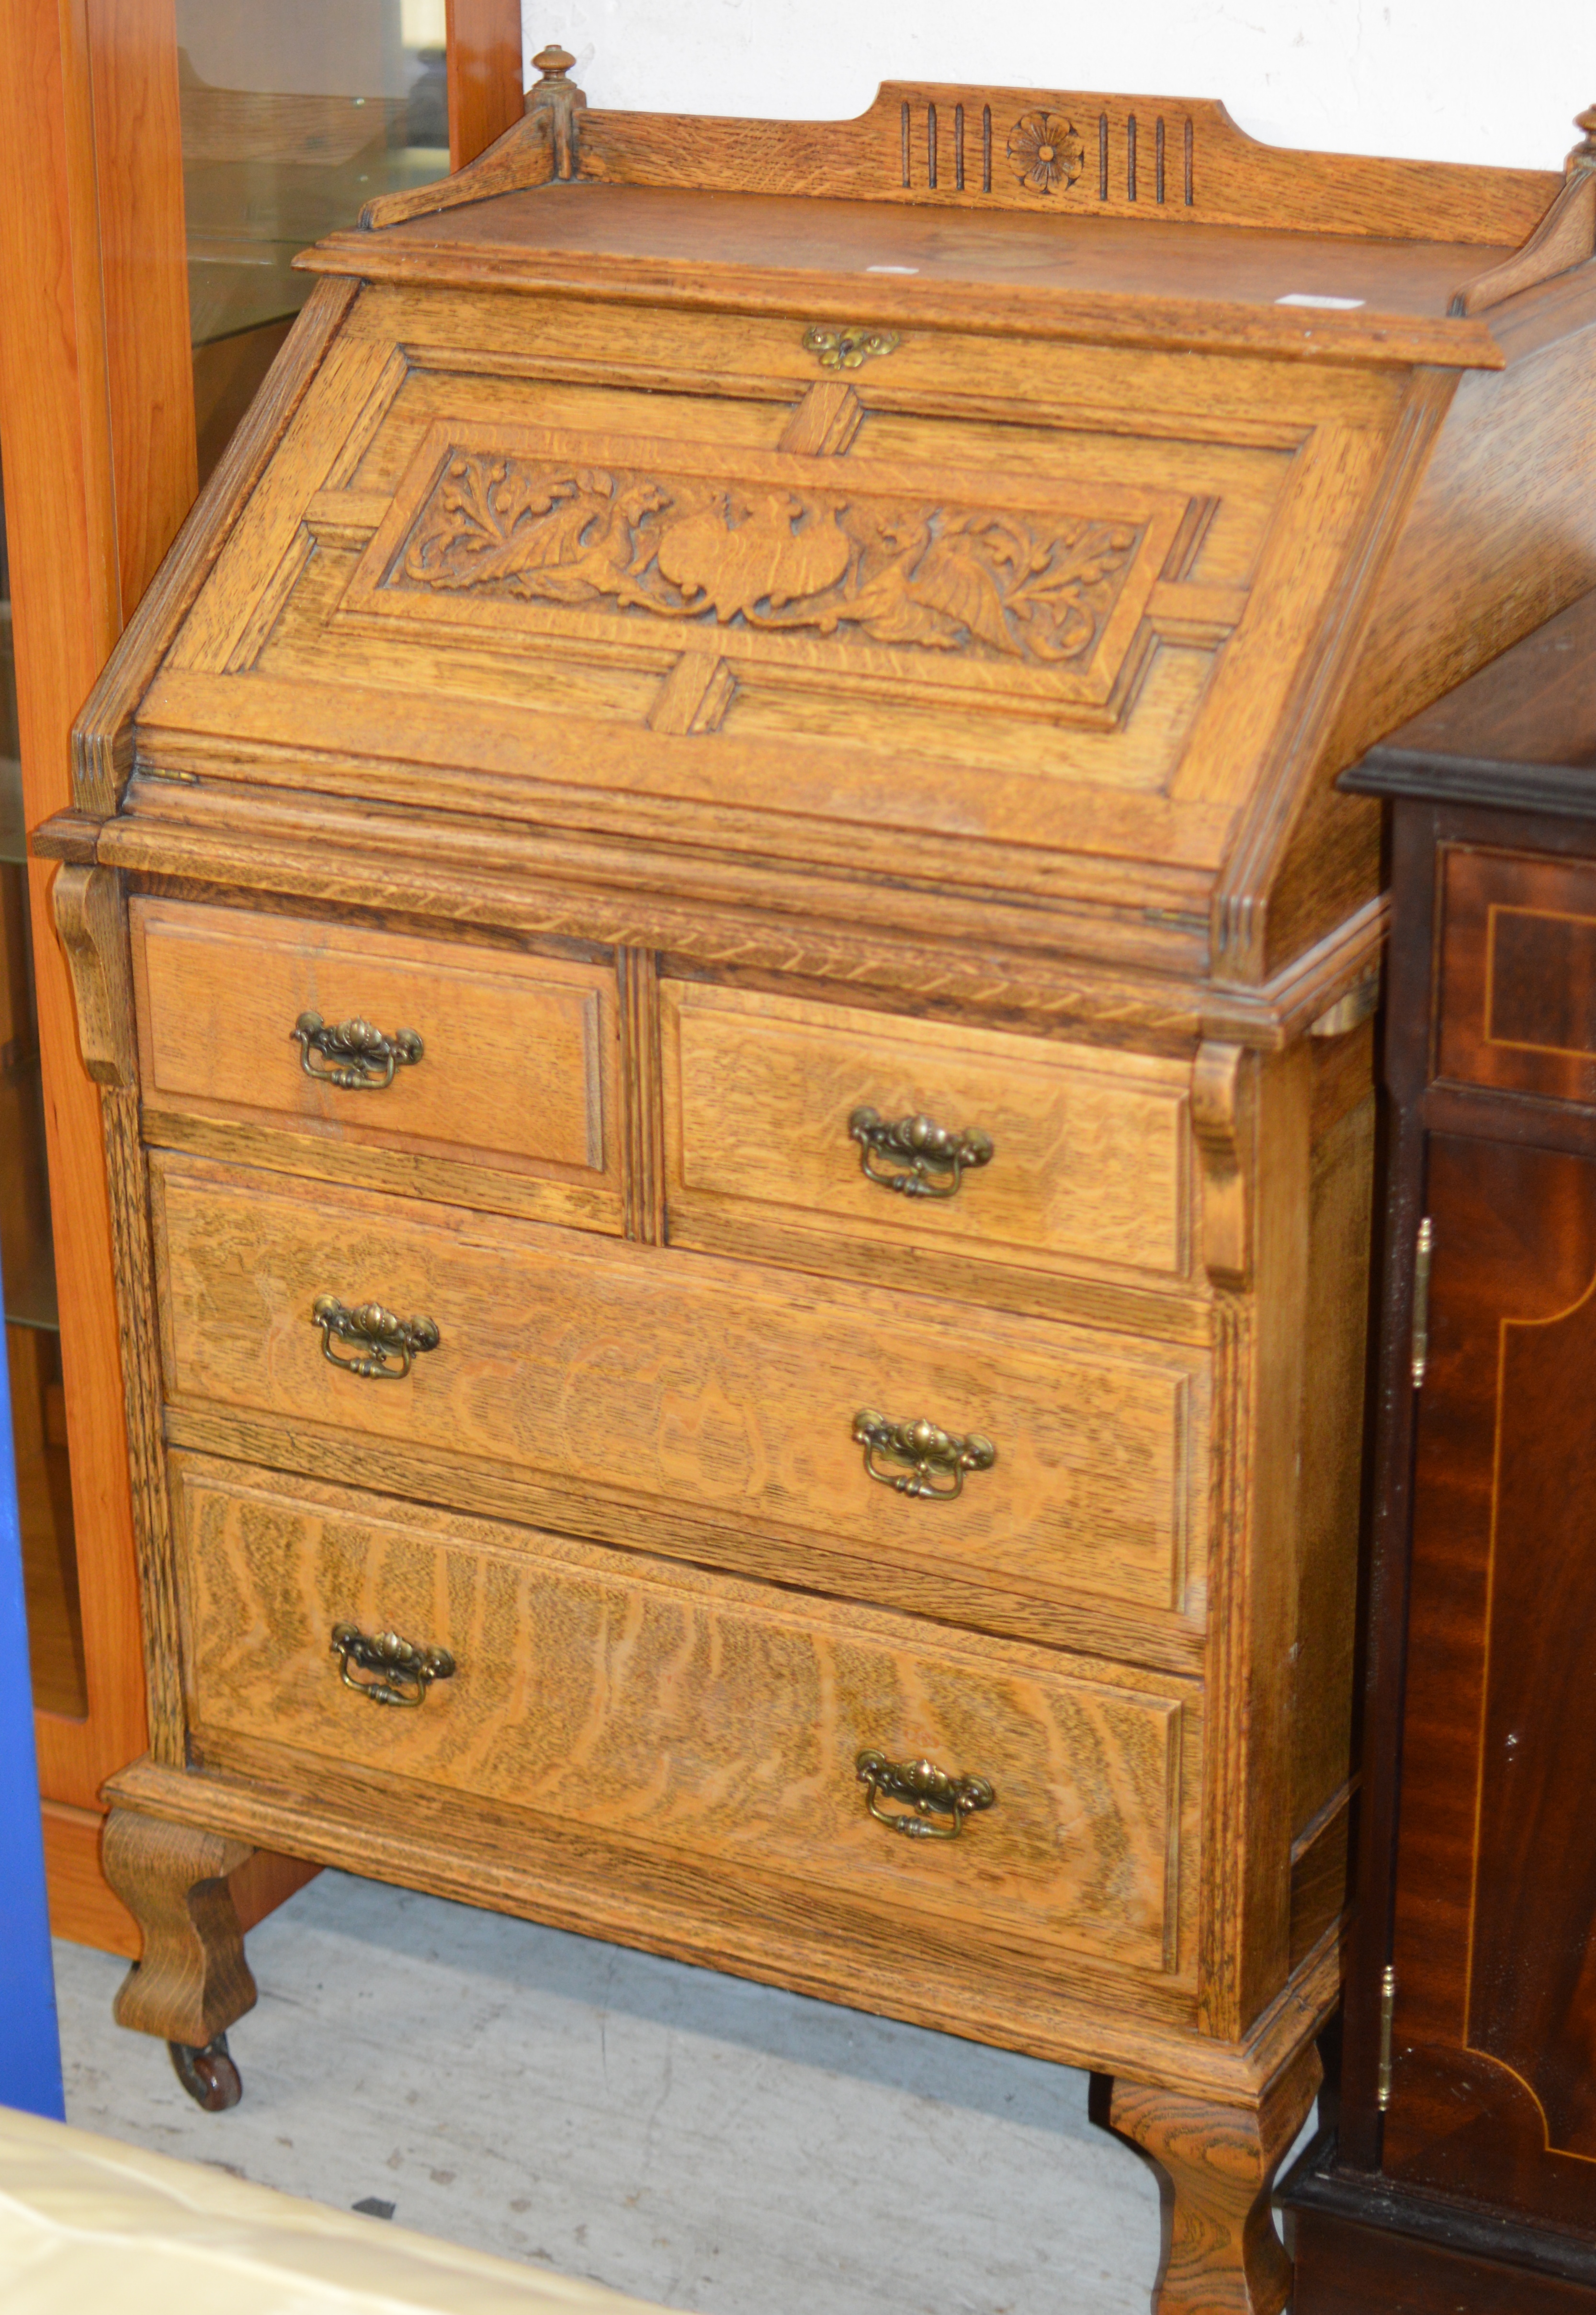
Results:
x,y
1445,80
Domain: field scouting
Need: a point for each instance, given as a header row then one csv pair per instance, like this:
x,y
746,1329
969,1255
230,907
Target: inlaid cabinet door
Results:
x,y
1493,2078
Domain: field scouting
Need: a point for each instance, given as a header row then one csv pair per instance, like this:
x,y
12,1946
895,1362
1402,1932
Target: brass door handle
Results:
x,y
400,1672
384,1345
917,1156
924,1794
935,1460
351,1054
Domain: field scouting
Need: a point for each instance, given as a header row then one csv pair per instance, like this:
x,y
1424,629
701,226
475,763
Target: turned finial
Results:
x,y
1583,155
557,100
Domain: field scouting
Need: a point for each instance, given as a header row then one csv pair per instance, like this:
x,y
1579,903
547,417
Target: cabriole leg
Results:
x,y
193,1981
1217,2164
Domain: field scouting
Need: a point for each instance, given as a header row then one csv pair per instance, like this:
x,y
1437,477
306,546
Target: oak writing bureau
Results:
x,y
733,1003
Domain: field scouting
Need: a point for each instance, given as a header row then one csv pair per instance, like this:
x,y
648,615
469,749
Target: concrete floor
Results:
x,y
689,2138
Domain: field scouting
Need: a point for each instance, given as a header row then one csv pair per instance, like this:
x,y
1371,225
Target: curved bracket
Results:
x,y
1223,1078
92,920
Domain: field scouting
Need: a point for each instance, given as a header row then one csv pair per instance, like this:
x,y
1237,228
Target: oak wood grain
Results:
x,y
981,147
757,1926
964,720
191,1981
1077,1620
675,1378
690,1711
1090,1159
518,1062
1222,2255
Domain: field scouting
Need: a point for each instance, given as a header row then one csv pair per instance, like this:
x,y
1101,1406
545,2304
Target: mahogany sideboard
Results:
x,y
1462,2174
733,1002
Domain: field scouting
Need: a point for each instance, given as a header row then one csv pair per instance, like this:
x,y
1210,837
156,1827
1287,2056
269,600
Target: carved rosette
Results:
x,y
1044,151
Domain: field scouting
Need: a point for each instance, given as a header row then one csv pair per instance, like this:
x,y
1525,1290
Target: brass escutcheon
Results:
x,y
937,1459
386,1344
353,1055
400,1672
917,1156
926,1793
849,348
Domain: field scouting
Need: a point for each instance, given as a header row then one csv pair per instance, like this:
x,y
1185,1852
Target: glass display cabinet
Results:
x,y
161,163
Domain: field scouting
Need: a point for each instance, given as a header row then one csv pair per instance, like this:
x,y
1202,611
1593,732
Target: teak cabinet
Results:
x,y
733,1004
1462,2174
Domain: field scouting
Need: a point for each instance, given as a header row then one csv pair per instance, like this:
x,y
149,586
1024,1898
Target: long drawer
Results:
x,y
652,1702
711,1387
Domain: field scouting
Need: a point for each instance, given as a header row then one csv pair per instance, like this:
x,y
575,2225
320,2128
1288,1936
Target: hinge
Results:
x,y
1382,2086
1421,1323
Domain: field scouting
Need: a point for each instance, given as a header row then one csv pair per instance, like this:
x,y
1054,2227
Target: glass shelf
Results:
x,y
291,120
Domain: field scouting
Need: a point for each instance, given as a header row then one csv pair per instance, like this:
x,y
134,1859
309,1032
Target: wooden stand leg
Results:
x,y
1221,2256
193,1981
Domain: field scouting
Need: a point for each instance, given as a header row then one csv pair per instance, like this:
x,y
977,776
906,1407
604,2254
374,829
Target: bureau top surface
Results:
x,y
1003,549
878,244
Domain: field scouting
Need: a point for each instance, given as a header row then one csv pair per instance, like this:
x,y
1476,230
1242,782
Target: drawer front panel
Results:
x,y
1518,974
664,1706
1088,1162
518,1052
714,1387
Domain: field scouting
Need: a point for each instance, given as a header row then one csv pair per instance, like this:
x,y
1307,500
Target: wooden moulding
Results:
x,y
758,1927
102,737
267,847
1174,159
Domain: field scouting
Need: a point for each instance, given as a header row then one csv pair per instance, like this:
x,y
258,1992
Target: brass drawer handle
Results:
x,y
849,348
400,1672
926,1794
379,1338
937,1459
353,1055
914,1150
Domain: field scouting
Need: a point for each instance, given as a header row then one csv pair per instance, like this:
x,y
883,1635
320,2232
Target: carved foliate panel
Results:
x,y
924,577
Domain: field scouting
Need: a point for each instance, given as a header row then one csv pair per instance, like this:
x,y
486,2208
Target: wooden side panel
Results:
x,y
1501,535
640,1374
1496,2025
698,1713
519,1053
1502,531
1089,1149
1341,1217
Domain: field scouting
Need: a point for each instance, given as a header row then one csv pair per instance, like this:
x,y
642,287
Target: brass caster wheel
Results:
x,y
208,2075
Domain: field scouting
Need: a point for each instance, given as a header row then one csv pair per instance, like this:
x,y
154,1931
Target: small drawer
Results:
x,y
639,1376
483,1057
1517,998
1088,1148
701,1714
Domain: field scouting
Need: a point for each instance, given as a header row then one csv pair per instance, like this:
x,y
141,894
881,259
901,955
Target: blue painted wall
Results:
x,y
29,2045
